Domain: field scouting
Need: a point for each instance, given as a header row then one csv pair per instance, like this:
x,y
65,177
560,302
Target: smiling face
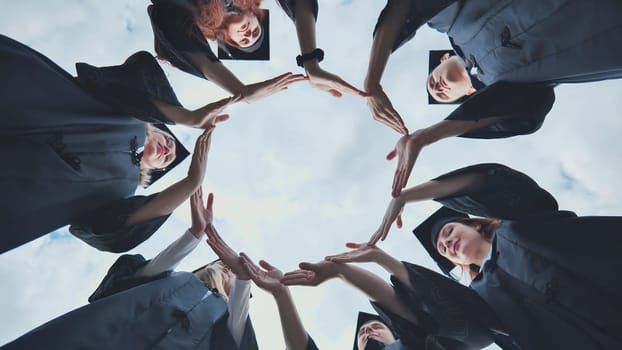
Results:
x,y
374,330
246,31
159,151
462,244
449,81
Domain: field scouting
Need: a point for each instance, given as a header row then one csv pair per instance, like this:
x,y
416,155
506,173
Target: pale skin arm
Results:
x,y
408,147
223,77
381,108
202,117
168,200
319,78
374,287
268,278
361,252
433,189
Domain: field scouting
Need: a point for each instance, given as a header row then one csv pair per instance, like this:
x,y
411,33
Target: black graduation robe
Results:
x,y
522,40
69,147
172,312
552,279
177,36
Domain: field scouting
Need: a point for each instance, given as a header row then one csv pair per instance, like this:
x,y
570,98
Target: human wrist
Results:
x,y
196,231
281,293
313,57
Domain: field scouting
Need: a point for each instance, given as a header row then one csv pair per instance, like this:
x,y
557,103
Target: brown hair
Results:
x,y
486,229
213,19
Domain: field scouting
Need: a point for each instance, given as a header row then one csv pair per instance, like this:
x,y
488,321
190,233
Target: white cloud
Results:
x,y
299,174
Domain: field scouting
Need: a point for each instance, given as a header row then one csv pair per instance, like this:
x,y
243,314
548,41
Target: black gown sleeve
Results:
x,y
506,194
289,6
130,87
454,315
106,230
525,105
419,13
176,36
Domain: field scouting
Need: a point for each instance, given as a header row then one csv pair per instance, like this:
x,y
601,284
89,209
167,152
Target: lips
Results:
x,y
456,246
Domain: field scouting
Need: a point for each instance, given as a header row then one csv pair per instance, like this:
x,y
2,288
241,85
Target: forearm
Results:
x,y
177,114
164,202
450,128
293,330
218,73
305,30
384,40
238,308
171,256
375,288
447,187
394,267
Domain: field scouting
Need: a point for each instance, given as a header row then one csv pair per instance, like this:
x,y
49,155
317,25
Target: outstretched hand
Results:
x,y
265,276
360,252
393,214
330,82
253,92
208,115
198,166
382,110
311,274
227,255
407,150
201,216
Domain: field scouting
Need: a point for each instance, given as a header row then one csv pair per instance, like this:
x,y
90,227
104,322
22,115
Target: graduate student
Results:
x,y
76,148
429,320
144,304
510,55
182,27
548,274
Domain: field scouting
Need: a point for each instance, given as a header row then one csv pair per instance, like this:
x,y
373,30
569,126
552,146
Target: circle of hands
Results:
x,y
406,150
263,274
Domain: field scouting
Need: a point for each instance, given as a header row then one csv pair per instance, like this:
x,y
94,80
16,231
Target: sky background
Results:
x,y
298,174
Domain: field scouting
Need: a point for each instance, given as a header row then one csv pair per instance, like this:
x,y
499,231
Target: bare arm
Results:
x,y
218,73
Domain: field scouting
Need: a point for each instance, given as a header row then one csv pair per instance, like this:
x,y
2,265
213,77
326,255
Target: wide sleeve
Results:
x,y
289,6
130,87
171,256
105,228
504,194
176,36
419,13
454,314
524,105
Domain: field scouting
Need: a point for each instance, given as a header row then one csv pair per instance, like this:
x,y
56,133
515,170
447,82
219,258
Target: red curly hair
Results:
x,y
212,18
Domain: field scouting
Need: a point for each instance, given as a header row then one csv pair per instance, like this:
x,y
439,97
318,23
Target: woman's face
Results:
x,y
449,81
462,244
375,330
227,277
159,151
246,31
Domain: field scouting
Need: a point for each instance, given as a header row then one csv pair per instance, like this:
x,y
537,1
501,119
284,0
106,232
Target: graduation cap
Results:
x,y
259,51
427,233
363,318
206,265
180,154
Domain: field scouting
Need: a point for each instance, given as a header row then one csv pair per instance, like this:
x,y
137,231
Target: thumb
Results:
x,y
352,245
334,92
392,154
398,221
266,265
306,266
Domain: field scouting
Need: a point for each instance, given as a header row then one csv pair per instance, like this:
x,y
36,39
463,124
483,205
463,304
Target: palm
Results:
x,y
311,274
382,111
257,91
211,114
201,216
393,213
266,276
361,252
407,150
332,83
227,255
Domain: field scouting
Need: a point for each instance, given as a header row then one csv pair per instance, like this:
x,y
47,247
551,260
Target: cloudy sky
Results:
x,y
300,173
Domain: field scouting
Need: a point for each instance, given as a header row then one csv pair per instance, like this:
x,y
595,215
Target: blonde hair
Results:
x,y
212,276
144,178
